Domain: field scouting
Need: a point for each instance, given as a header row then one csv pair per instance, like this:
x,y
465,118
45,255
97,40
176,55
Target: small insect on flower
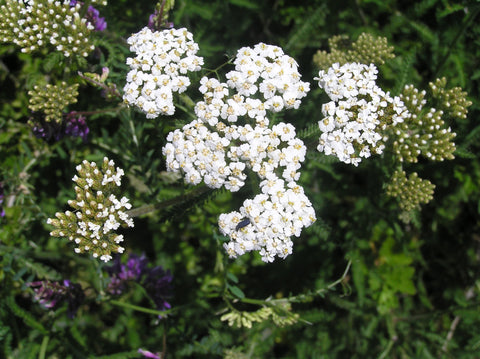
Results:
x,y
242,224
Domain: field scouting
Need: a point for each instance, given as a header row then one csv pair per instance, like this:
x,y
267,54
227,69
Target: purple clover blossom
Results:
x,y
51,294
2,196
151,20
48,131
54,131
92,16
77,127
156,281
148,354
122,274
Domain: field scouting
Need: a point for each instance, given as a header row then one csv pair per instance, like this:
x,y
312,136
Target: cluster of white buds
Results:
x,y
163,58
36,24
358,113
98,212
217,150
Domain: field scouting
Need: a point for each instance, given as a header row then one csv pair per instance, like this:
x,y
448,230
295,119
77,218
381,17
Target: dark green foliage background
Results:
x,y
408,282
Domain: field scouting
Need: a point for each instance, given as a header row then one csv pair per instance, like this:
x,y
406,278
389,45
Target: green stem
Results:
x,y
43,347
300,297
140,309
219,67
107,110
387,350
170,202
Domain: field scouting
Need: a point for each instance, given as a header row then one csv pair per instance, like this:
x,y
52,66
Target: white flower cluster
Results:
x,y
98,212
220,158
357,112
217,150
266,222
162,60
35,24
264,79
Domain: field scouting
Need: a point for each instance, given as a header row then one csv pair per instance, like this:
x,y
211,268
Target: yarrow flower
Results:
x,y
52,100
52,294
36,24
213,148
98,211
163,58
156,281
357,114
425,132
266,222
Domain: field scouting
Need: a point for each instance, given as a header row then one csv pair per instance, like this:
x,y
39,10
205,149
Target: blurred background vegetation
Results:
x,y
412,290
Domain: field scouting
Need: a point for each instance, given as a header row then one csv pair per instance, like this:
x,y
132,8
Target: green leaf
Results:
x,y
237,292
253,5
232,277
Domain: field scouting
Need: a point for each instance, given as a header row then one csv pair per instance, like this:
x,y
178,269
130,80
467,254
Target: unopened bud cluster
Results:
x,y
411,191
368,49
163,58
357,114
281,316
423,133
37,24
232,134
52,100
98,212
453,101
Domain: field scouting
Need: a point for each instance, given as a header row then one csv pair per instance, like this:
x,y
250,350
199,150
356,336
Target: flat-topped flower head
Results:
x,y
268,221
162,61
358,113
98,212
232,136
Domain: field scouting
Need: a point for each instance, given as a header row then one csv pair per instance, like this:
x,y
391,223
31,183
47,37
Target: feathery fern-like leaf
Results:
x,y
302,33
406,68
24,315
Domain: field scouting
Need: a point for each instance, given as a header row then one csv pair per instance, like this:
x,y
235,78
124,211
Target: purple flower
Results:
x,y
156,281
122,274
77,127
148,354
2,196
151,20
92,16
51,294
49,131
54,131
